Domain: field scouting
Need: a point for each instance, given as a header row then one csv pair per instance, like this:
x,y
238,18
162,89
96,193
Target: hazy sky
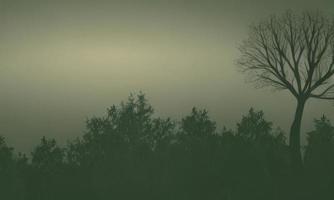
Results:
x,y
64,61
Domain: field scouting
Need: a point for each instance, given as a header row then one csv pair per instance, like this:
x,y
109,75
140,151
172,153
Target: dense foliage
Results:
x,y
132,154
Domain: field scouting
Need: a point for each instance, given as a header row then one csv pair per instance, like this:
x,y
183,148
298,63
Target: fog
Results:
x,y
62,62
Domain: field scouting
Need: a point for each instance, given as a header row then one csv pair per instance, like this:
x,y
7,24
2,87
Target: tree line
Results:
x,y
130,153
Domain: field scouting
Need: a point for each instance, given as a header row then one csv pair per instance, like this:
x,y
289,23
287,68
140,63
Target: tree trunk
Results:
x,y
294,142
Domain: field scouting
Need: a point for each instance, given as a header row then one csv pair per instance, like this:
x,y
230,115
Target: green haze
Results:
x,y
64,61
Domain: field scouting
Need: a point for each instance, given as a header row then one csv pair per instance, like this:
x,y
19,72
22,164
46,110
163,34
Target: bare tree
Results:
x,y
293,52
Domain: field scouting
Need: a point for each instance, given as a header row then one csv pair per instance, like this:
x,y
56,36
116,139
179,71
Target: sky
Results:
x,y
62,62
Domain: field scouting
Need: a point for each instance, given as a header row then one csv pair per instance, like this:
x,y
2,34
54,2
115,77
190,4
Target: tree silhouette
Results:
x,y
11,181
295,53
47,165
47,156
198,123
259,163
319,161
253,125
116,152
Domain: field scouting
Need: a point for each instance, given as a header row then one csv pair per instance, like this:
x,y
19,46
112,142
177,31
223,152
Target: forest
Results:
x,y
130,153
